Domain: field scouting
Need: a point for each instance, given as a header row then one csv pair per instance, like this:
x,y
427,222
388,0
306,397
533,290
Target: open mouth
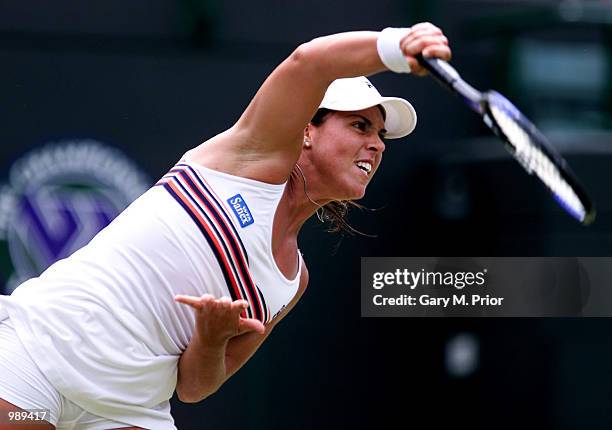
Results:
x,y
364,166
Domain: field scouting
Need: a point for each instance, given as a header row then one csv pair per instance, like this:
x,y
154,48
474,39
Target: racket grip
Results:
x,y
439,69
446,75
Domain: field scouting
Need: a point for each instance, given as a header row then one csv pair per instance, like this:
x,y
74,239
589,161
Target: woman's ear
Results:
x,y
307,139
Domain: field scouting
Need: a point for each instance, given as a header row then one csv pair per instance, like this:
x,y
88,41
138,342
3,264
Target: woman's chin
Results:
x,y
355,194
350,191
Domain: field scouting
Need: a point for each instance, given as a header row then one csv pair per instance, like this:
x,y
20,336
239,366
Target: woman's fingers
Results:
x,y
425,26
225,300
437,51
221,318
188,300
207,302
195,302
239,305
250,324
426,39
415,46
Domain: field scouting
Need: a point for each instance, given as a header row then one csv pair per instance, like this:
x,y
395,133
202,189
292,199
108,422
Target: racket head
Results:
x,y
537,156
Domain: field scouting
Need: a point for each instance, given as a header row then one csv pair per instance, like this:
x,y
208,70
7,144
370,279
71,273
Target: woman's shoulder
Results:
x,y
228,153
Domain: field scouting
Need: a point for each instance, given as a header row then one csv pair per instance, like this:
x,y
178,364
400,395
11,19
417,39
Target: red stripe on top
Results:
x,y
247,281
231,230
203,223
223,236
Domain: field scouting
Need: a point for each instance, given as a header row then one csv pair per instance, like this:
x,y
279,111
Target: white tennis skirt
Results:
x,y
23,384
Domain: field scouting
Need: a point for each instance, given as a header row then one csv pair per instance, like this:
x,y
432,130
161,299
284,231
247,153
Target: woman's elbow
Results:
x,y
307,56
187,397
191,395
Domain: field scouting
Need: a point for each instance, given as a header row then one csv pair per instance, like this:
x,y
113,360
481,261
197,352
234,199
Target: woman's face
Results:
x,y
346,150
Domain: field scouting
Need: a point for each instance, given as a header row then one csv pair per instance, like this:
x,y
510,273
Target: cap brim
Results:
x,y
401,118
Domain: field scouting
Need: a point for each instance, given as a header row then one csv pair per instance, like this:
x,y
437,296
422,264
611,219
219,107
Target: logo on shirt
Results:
x,y
278,313
241,210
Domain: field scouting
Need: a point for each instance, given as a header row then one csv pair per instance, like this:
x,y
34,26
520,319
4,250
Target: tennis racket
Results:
x,y
522,139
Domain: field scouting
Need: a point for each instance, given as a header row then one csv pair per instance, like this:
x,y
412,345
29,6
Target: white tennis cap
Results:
x,y
358,93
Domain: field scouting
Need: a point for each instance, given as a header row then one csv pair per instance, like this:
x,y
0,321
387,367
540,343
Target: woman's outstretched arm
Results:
x,y
270,131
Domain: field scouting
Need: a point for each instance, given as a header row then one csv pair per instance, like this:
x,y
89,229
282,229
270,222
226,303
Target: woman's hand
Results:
x,y
427,39
218,320
202,367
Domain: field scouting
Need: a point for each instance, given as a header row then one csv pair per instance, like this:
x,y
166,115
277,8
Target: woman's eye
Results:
x,y
360,125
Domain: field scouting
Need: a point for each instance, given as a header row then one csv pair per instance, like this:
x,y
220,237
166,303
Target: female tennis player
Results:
x,y
180,290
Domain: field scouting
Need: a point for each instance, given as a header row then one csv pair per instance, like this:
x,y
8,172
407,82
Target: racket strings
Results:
x,y
534,160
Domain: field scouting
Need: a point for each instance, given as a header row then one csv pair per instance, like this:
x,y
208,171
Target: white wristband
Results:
x,y
389,51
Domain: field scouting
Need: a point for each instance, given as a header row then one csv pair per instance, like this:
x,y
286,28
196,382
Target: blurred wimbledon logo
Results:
x,y
57,198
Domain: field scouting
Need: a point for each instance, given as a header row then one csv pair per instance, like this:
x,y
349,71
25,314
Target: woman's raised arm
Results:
x,y
271,128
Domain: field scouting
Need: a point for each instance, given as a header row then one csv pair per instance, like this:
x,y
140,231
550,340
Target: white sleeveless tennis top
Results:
x,y
102,324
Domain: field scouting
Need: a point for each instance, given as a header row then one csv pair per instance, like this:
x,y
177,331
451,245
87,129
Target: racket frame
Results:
x,y
480,102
